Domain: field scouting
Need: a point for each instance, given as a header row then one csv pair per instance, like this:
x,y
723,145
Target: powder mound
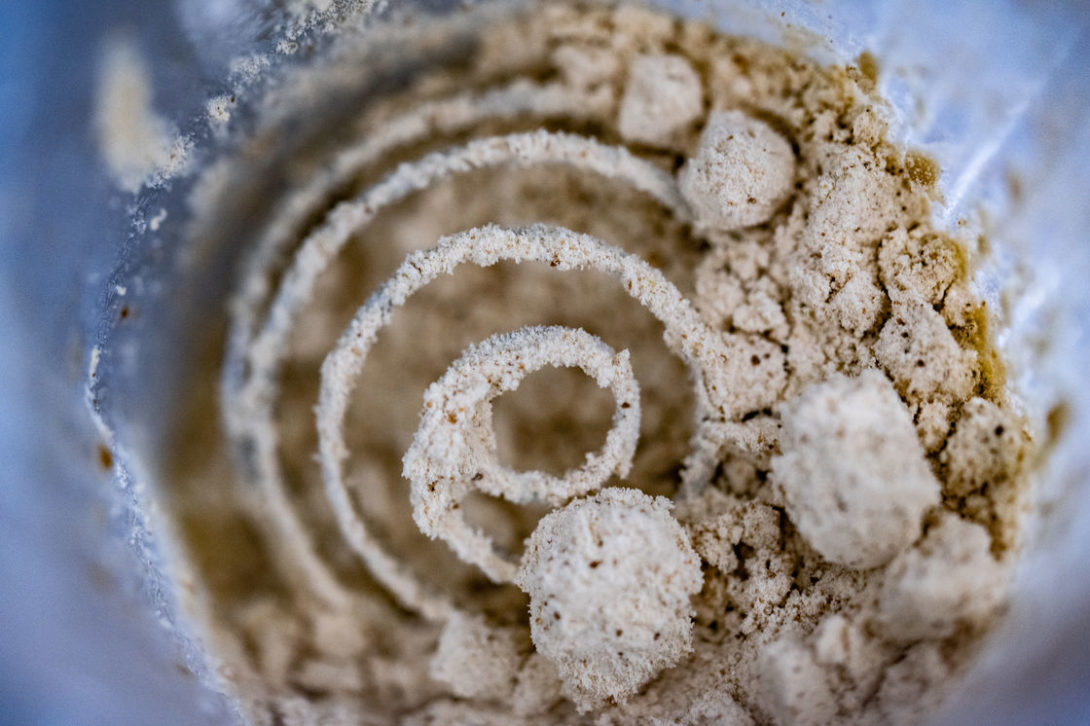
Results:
x,y
746,232
950,578
852,471
609,580
663,95
741,173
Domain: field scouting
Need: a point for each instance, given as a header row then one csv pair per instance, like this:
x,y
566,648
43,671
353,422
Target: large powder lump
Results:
x,y
609,580
853,473
742,171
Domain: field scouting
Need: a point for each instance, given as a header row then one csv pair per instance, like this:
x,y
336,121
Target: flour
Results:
x,y
741,173
854,476
609,580
804,509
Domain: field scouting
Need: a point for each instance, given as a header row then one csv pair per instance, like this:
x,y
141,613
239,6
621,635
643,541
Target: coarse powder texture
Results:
x,y
853,473
741,172
609,580
587,366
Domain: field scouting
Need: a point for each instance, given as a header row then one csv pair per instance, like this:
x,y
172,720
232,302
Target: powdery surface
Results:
x,y
609,580
793,353
742,171
853,473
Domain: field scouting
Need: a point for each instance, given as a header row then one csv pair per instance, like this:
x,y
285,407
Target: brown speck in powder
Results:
x,y
105,458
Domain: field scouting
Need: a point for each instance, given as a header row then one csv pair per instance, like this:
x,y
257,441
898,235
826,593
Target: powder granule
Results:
x,y
537,687
950,578
933,424
609,580
742,171
918,265
663,96
912,686
851,198
329,676
853,473
844,643
585,66
723,527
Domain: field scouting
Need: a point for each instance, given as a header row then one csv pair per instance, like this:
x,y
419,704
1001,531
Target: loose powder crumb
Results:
x,y
800,505
475,659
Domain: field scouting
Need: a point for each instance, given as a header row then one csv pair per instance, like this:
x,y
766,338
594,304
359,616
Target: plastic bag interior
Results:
x,y
997,93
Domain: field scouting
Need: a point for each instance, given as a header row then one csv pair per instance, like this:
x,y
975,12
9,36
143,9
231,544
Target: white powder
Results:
x,y
792,349
609,580
854,476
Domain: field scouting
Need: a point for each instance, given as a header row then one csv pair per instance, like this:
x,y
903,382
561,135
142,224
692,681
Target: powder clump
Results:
x,y
476,660
609,580
662,96
949,579
742,171
854,476
988,446
920,353
137,145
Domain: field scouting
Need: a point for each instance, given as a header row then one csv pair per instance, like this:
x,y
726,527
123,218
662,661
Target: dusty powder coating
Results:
x,y
832,586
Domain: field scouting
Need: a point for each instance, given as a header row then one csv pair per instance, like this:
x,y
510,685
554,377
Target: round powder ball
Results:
x,y
609,580
853,472
741,173
662,96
